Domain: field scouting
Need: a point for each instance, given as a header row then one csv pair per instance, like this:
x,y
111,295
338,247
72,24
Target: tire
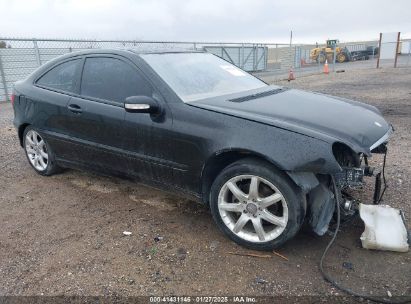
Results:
x,y
341,57
38,152
321,58
285,208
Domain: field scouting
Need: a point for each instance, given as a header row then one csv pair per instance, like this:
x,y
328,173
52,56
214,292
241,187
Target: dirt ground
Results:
x,y
64,234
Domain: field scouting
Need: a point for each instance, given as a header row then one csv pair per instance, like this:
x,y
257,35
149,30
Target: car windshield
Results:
x,y
195,76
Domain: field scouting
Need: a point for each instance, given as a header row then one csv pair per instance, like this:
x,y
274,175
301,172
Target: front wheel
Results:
x,y
341,57
256,205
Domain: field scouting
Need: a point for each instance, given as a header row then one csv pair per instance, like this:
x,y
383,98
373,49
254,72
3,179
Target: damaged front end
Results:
x,y
319,188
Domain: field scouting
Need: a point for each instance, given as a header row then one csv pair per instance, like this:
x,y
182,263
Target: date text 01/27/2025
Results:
x,y
202,299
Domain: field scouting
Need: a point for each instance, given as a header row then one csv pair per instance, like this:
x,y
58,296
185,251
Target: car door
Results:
x,y
146,137
48,105
97,114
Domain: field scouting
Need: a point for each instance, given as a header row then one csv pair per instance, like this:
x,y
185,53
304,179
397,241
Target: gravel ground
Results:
x,y
64,234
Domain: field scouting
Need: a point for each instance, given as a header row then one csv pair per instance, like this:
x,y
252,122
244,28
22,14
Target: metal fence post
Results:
x,y
254,49
319,63
379,51
397,48
276,53
36,52
290,50
3,79
297,56
242,56
256,58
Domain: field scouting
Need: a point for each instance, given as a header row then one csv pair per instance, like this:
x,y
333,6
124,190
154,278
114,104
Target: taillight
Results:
x,y
13,97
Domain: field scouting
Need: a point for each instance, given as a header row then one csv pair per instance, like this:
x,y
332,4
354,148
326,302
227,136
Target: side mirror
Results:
x,y
141,104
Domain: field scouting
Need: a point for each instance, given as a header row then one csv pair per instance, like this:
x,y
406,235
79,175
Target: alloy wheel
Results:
x,y
253,208
36,150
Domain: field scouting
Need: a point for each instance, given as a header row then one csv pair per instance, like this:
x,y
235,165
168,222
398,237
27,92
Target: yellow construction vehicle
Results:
x,y
320,54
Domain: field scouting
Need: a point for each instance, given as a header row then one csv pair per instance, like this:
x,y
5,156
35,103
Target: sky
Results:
x,y
205,20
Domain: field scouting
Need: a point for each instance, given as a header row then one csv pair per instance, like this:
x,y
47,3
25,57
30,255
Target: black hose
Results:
x,y
383,176
329,279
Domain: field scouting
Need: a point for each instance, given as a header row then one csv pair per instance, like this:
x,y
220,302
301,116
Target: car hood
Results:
x,y
317,115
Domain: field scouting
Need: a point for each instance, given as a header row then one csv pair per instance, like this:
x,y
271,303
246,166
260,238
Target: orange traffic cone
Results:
x,y
291,75
326,71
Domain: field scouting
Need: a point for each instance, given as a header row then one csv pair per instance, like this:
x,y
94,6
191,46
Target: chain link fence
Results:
x,y
308,59
20,57
270,61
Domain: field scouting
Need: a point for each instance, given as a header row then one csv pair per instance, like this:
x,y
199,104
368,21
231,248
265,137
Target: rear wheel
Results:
x,y
38,152
256,205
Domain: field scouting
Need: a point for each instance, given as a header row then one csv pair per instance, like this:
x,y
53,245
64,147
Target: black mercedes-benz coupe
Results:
x,y
262,157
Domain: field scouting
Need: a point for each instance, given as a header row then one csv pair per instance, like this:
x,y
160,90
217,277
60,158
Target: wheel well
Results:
x,y
21,132
345,156
218,162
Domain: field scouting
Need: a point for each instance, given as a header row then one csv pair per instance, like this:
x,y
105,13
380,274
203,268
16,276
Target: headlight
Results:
x,y
382,140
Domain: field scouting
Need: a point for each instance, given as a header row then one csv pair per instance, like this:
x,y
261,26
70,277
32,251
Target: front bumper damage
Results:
x,y
351,178
320,195
321,199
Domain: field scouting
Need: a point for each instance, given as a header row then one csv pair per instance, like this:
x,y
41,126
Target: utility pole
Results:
x,y
291,54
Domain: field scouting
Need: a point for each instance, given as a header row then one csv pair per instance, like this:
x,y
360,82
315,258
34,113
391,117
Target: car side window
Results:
x,y
62,77
112,79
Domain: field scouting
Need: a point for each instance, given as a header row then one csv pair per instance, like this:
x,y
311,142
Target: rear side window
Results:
x,y
112,79
62,77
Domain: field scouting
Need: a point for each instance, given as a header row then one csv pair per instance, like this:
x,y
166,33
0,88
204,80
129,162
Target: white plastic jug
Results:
x,y
384,228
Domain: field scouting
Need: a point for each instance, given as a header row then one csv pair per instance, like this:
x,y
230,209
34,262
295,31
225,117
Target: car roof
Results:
x,y
122,52
107,51
132,51
171,51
